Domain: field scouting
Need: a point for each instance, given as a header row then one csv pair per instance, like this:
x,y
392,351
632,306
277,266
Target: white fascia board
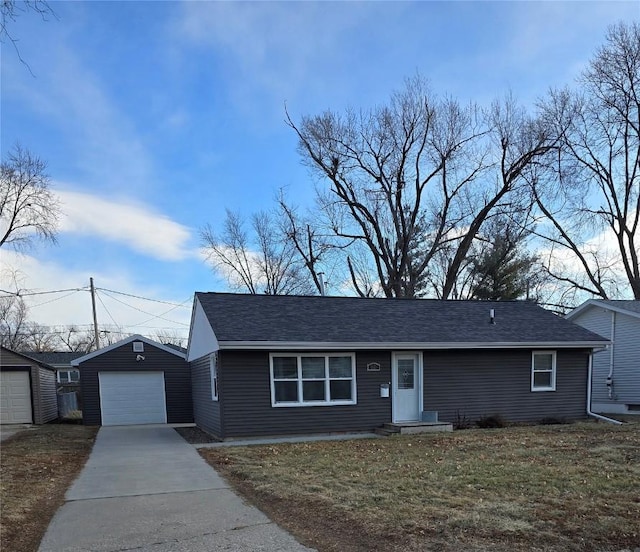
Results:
x,y
126,340
202,338
596,303
406,346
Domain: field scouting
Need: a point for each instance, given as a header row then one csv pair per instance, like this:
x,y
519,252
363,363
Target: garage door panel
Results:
x,y
15,398
128,398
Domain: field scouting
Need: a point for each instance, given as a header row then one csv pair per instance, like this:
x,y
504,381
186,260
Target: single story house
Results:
x,y
270,365
135,381
616,370
27,389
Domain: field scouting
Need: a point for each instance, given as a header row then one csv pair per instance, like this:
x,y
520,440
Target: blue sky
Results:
x,y
154,117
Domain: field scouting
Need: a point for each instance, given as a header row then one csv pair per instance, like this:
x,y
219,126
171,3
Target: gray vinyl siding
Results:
x,y
177,380
598,320
45,400
626,360
473,384
206,411
245,396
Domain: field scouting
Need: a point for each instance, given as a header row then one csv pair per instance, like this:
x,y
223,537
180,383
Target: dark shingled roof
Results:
x,y
55,357
287,318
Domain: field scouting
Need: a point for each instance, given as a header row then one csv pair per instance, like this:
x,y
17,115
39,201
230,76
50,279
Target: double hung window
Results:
x,y
543,371
312,379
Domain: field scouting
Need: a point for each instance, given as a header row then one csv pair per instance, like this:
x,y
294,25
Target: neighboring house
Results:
x,y
66,375
269,365
135,381
27,389
616,370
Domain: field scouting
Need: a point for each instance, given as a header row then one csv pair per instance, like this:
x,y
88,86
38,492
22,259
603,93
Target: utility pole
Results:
x,y
95,318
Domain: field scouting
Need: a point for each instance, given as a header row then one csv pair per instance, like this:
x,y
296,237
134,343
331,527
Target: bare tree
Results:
x,y
10,10
39,338
74,339
419,176
593,184
266,263
28,207
170,337
13,322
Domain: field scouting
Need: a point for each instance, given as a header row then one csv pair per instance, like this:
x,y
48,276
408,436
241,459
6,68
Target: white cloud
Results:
x,y
136,226
130,314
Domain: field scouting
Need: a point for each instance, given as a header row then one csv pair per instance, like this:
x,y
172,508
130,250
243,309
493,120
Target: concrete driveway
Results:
x,y
146,489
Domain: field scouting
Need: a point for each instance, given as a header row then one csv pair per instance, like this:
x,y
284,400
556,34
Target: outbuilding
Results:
x,y
27,390
135,381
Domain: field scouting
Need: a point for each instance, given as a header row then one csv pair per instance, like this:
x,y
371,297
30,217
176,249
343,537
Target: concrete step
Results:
x,y
410,428
384,432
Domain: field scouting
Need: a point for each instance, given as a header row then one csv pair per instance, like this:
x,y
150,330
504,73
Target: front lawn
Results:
x,y
551,488
36,468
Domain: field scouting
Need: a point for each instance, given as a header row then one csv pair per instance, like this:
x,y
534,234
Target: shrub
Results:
x,y
550,420
461,421
491,421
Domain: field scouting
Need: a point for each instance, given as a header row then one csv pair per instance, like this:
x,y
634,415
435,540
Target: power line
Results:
x,y
106,309
145,298
29,293
53,300
143,311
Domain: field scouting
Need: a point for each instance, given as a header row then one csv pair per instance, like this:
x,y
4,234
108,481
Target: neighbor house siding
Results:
x,y
245,393
44,401
206,411
598,320
177,379
626,360
473,384
625,354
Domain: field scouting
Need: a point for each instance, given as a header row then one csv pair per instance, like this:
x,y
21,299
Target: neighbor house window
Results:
x,y
213,368
68,376
313,379
543,371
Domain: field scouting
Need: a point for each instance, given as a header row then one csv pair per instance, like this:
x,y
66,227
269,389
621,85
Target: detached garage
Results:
x,y
135,381
27,390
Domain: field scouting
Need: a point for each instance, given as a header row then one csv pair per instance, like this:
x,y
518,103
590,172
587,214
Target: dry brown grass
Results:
x,y
552,488
36,468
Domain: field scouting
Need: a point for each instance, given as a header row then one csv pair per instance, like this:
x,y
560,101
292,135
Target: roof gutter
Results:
x,y
589,384
349,345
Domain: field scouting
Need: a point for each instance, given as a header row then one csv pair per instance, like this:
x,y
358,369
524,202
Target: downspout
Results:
x,y
593,414
611,353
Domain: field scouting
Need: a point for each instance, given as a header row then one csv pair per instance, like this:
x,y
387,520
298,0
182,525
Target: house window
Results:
x,y
213,369
313,379
543,371
68,376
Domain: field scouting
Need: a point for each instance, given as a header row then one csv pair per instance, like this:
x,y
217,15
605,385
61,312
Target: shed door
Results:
x,y
128,398
15,398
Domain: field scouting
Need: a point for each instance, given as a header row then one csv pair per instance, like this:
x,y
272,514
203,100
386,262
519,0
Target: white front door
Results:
x,y
407,387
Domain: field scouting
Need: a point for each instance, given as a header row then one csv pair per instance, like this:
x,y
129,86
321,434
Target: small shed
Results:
x,y
135,381
27,389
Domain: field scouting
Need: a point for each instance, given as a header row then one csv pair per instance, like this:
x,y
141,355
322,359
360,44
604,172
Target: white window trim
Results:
x,y
299,380
213,372
67,370
535,389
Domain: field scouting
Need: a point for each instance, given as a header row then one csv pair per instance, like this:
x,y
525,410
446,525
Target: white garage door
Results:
x,y
128,398
15,398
